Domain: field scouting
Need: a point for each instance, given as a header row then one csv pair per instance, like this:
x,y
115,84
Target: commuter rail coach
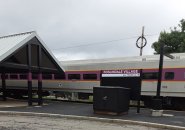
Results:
x,y
82,75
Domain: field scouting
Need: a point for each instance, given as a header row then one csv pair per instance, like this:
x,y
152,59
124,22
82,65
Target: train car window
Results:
x,y
73,76
169,75
47,76
6,76
13,76
34,76
150,75
59,76
23,76
89,76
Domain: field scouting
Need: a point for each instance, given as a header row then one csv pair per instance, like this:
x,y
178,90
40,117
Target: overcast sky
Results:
x,y
63,24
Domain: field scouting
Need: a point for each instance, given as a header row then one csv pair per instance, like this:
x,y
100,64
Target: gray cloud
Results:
x,y
66,23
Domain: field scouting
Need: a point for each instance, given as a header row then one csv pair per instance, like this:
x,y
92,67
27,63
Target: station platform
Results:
x,y
13,103
175,118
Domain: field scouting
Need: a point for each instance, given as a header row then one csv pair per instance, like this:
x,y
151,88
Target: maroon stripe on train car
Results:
x,y
29,76
39,77
83,72
179,73
18,76
53,76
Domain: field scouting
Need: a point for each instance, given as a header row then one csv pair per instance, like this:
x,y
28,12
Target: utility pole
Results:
x,y
142,37
143,42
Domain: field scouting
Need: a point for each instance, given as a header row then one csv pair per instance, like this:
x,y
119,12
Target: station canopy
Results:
x,y
20,52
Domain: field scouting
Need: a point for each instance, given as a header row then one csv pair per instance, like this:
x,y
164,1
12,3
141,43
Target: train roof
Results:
x,y
177,56
147,61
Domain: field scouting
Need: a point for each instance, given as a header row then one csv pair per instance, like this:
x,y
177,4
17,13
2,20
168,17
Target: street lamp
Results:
x,y
157,102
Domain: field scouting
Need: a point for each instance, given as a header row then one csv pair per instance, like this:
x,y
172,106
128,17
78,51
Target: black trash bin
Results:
x,y
111,100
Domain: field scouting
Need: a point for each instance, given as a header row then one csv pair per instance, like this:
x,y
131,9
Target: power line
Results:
x,y
95,43
98,43
151,35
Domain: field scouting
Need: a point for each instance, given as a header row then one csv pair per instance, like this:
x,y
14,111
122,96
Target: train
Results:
x,y
82,75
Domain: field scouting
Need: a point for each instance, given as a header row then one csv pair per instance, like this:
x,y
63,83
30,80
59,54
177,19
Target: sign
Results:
x,y
121,73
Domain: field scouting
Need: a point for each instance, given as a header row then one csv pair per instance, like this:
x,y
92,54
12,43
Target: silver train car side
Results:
x,y
173,76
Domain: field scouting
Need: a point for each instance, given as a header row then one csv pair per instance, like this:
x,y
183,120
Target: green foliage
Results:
x,y
174,41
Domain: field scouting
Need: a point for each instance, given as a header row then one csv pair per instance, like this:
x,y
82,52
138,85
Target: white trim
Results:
x,y
121,75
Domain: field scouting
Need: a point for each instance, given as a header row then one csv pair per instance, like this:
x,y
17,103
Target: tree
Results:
x,y
174,41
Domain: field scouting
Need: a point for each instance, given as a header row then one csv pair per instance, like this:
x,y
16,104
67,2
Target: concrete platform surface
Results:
x,y
13,103
47,123
176,118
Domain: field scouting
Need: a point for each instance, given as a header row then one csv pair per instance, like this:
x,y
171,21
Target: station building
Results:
x,y
26,53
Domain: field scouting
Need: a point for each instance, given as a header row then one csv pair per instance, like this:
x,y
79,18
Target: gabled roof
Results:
x,y
9,44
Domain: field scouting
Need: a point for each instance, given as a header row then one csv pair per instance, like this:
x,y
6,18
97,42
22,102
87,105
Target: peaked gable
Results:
x,y
17,52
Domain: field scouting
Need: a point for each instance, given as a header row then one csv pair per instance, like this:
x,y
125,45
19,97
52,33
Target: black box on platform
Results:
x,y
111,100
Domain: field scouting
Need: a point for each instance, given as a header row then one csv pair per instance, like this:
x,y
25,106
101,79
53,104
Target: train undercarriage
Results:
x,y
175,103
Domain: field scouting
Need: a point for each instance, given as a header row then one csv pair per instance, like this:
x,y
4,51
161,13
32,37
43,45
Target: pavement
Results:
x,y
169,118
12,103
17,122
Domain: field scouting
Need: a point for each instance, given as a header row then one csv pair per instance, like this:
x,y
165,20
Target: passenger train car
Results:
x,y
82,75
